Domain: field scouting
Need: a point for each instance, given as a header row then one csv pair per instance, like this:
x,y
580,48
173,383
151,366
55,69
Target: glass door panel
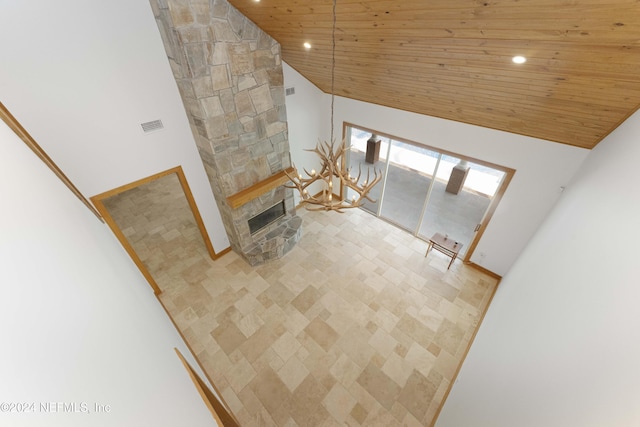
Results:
x,y
459,199
410,174
357,160
453,203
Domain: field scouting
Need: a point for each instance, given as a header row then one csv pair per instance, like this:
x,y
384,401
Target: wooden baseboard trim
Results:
x,y
484,270
222,252
222,416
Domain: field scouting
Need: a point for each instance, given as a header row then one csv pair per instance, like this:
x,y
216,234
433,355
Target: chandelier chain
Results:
x,y
333,64
333,167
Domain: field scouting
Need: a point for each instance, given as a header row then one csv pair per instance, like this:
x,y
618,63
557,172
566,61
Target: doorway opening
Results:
x,y
155,218
426,190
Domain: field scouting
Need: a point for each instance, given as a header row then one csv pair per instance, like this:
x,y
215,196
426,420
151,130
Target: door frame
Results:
x,y
495,201
98,199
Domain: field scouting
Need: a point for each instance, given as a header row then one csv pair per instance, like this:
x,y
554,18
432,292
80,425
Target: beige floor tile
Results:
x,y
231,398
383,342
340,321
434,406
295,322
186,318
306,406
249,401
446,364
256,345
249,324
229,337
347,329
379,385
419,389
415,329
386,319
381,417
429,317
345,371
322,334
292,373
393,275
449,310
359,414
420,359
398,411
247,304
240,375
411,421
286,346
354,344
449,336
397,368
306,299
333,302
339,402
270,390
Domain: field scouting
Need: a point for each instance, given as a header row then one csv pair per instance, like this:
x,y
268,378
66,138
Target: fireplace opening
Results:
x,y
265,218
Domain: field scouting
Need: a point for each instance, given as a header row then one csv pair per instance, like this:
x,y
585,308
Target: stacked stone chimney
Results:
x,y
229,74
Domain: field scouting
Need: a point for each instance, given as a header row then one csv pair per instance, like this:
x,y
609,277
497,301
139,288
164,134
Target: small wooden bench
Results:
x,y
445,245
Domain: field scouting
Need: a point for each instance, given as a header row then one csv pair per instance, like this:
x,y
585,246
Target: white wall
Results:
x,y
79,322
542,167
560,344
308,122
81,76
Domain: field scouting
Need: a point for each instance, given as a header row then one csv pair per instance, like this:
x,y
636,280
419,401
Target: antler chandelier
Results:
x,y
332,161
333,165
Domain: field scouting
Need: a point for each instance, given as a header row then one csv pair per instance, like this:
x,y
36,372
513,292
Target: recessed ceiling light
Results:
x,y
307,45
519,59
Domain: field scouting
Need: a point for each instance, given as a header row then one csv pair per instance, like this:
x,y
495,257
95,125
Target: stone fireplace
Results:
x,y
276,234
229,74
265,218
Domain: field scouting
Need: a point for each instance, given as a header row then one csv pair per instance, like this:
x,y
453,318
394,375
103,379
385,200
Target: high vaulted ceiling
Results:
x,y
452,59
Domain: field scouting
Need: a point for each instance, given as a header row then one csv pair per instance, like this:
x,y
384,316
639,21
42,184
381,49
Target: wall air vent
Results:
x,y
289,91
152,126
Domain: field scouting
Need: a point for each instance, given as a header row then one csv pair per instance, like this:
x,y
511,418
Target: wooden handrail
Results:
x,y
15,125
220,413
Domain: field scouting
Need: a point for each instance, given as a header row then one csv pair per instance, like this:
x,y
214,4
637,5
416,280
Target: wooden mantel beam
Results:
x,y
259,188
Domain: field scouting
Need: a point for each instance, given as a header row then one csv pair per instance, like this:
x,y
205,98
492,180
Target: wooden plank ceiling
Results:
x,y
452,59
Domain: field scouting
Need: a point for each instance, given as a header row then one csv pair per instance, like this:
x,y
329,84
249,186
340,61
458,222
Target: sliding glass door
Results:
x,y
425,191
459,199
408,180
360,162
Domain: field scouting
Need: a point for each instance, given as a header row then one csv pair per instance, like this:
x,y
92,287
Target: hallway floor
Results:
x,y
353,327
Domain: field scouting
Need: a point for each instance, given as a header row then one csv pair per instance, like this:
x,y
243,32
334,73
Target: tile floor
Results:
x,y
353,327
